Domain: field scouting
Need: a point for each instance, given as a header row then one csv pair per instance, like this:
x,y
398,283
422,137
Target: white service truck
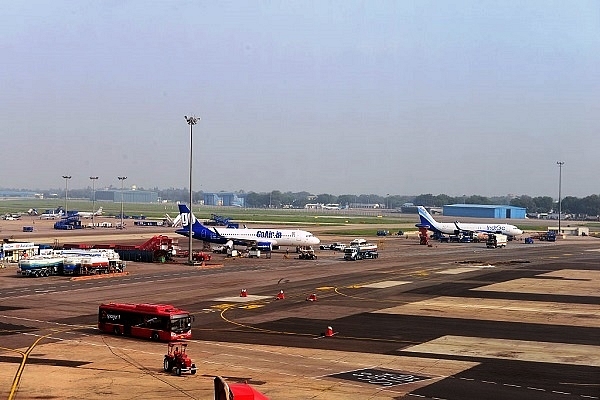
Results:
x,y
354,253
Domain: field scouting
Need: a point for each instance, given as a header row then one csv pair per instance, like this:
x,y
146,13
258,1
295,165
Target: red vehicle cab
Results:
x,y
151,321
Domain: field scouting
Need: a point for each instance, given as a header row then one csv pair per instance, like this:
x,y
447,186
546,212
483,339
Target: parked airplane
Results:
x,y
229,237
455,228
52,214
88,214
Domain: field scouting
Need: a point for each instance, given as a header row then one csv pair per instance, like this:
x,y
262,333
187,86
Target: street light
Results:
x,y
560,164
191,122
67,177
122,179
94,179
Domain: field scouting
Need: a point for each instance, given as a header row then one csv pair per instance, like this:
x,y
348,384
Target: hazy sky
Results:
x,y
341,97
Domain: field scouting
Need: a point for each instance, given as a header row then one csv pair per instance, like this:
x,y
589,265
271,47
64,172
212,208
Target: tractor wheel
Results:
x,y
167,365
178,371
193,369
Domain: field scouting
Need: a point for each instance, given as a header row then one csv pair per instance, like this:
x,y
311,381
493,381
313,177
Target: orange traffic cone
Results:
x,y
244,293
329,332
312,297
280,295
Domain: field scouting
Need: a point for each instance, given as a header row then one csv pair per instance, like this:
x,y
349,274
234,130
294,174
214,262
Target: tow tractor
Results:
x,y
177,361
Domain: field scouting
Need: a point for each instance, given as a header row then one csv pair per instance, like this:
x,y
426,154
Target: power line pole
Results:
x,y
94,179
122,179
560,164
191,122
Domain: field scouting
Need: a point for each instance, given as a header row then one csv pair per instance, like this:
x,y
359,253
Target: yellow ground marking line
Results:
x,y
25,355
260,329
337,291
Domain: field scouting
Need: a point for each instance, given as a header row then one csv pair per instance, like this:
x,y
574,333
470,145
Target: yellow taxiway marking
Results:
x,y
252,306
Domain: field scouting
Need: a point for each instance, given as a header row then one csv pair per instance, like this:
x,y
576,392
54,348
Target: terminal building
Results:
x,y
485,211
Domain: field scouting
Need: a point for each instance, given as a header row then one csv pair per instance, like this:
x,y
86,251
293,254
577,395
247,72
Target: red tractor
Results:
x,y
176,359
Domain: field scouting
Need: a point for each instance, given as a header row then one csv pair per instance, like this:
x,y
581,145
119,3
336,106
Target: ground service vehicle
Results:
x,y
338,247
40,265
495,240
549,236
151,321
177,360
356,253
307,253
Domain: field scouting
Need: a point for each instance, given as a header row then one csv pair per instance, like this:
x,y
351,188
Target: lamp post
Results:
x,y
66,177
560,164
122,179
191,121
94,179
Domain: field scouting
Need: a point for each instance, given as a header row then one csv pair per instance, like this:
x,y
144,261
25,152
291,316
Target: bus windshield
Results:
x,y
181,323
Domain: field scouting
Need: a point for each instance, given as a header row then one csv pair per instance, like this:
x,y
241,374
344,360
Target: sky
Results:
x,y
340,97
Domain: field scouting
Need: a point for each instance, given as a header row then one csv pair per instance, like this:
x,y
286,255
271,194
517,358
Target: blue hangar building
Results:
x,y
484,211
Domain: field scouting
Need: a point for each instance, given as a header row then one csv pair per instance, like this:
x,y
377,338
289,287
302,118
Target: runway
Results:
x,y
452,321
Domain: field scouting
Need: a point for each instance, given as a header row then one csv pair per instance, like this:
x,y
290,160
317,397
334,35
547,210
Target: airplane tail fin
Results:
x,y
186,215
426,218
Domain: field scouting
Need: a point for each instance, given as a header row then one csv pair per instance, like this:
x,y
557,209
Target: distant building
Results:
x,y
17,194
484,211
224,199
129,196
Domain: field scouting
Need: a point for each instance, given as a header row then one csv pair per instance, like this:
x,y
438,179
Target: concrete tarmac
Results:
x,y
450,321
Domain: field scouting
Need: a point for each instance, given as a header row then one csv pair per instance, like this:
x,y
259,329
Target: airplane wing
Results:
x,y
462,230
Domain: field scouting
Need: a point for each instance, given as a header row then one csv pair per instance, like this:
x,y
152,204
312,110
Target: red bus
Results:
x,y
152,321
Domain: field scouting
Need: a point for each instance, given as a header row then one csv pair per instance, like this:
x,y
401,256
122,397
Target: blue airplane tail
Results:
x,y
199,231
427,220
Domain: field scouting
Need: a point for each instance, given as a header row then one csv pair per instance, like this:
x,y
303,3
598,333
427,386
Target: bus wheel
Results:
x,y
155,336
117,330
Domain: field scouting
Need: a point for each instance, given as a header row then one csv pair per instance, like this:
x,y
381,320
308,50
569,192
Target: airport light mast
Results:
x,y
560,164
191,122
94,179
122,179
66,177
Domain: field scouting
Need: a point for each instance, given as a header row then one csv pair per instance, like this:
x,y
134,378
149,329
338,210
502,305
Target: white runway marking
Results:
x,y
462,270
566,282
541,312
556,353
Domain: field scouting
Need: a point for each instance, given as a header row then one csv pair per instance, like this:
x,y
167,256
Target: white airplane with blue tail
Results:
x,y
228,237
456,228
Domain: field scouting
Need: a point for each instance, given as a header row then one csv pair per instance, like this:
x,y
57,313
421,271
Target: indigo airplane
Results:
x,y
455,228
272,238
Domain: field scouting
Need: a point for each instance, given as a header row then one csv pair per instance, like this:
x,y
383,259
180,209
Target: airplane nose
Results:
x,y
315,240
